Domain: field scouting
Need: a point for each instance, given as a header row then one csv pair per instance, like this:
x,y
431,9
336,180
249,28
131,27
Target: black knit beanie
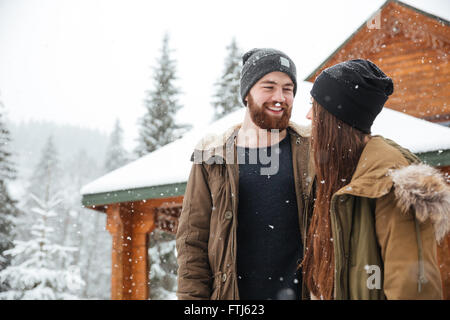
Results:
x,y
256,63
353,91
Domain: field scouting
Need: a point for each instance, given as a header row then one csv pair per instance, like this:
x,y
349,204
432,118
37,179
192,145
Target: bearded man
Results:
x,y
242,226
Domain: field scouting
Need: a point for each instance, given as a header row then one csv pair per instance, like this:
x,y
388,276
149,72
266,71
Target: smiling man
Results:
x,y
242,225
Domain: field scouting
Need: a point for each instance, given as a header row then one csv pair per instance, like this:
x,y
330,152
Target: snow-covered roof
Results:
x,y
171,163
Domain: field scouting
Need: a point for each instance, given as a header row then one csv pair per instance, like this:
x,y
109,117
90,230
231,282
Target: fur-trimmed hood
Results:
x,y
385,165
423,188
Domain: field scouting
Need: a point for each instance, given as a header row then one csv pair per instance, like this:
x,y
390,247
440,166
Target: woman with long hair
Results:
x,y
378,211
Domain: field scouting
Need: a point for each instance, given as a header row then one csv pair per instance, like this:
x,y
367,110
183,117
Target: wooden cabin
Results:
x,y
411,46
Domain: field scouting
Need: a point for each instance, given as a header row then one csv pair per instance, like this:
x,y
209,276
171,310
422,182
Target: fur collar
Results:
x,y
214,141
423,188
385,165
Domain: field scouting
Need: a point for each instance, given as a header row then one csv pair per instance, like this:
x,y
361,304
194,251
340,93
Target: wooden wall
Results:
x,y
443,251
443,255
413,49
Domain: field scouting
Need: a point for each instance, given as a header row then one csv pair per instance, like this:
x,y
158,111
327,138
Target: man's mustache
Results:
x,y
283,105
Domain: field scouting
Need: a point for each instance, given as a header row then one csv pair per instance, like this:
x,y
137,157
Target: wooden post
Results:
x,y
139,267
129,224
143,224
119,225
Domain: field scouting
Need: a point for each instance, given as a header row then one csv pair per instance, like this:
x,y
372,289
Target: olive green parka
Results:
x,y
385,224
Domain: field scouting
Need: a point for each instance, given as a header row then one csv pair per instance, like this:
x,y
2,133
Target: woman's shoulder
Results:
x,y
372,174
417,186
387,153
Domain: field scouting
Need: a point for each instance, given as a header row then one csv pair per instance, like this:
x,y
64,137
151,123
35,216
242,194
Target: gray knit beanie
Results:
x,y
256,63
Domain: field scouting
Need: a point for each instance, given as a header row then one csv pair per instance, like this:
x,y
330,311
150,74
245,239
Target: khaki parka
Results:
x,y
385,224
206,235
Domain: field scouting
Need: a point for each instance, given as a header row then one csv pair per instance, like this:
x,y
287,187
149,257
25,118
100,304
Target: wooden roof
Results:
x,y
410,46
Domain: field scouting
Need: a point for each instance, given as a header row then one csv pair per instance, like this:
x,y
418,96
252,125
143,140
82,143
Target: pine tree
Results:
x,y
41,266
163,266
86,229
158,126
41,269
7,168
116,155
8,206
8,211
46,178
227,97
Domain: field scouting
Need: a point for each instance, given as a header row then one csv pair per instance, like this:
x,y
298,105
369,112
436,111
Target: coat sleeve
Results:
x,y
194,274
396,233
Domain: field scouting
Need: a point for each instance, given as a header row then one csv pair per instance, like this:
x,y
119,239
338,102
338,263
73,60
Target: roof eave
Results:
x,y
137,194
98,201
440,158
309,77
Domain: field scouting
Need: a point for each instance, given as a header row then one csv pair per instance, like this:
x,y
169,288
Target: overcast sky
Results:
x,y
88,62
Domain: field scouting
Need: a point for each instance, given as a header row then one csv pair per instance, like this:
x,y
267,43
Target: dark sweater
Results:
x,y
269,245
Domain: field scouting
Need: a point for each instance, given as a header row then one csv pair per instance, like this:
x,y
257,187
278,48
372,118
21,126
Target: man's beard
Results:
x,y
266,121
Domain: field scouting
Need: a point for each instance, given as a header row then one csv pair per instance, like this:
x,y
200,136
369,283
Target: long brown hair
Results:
x,y
336,148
